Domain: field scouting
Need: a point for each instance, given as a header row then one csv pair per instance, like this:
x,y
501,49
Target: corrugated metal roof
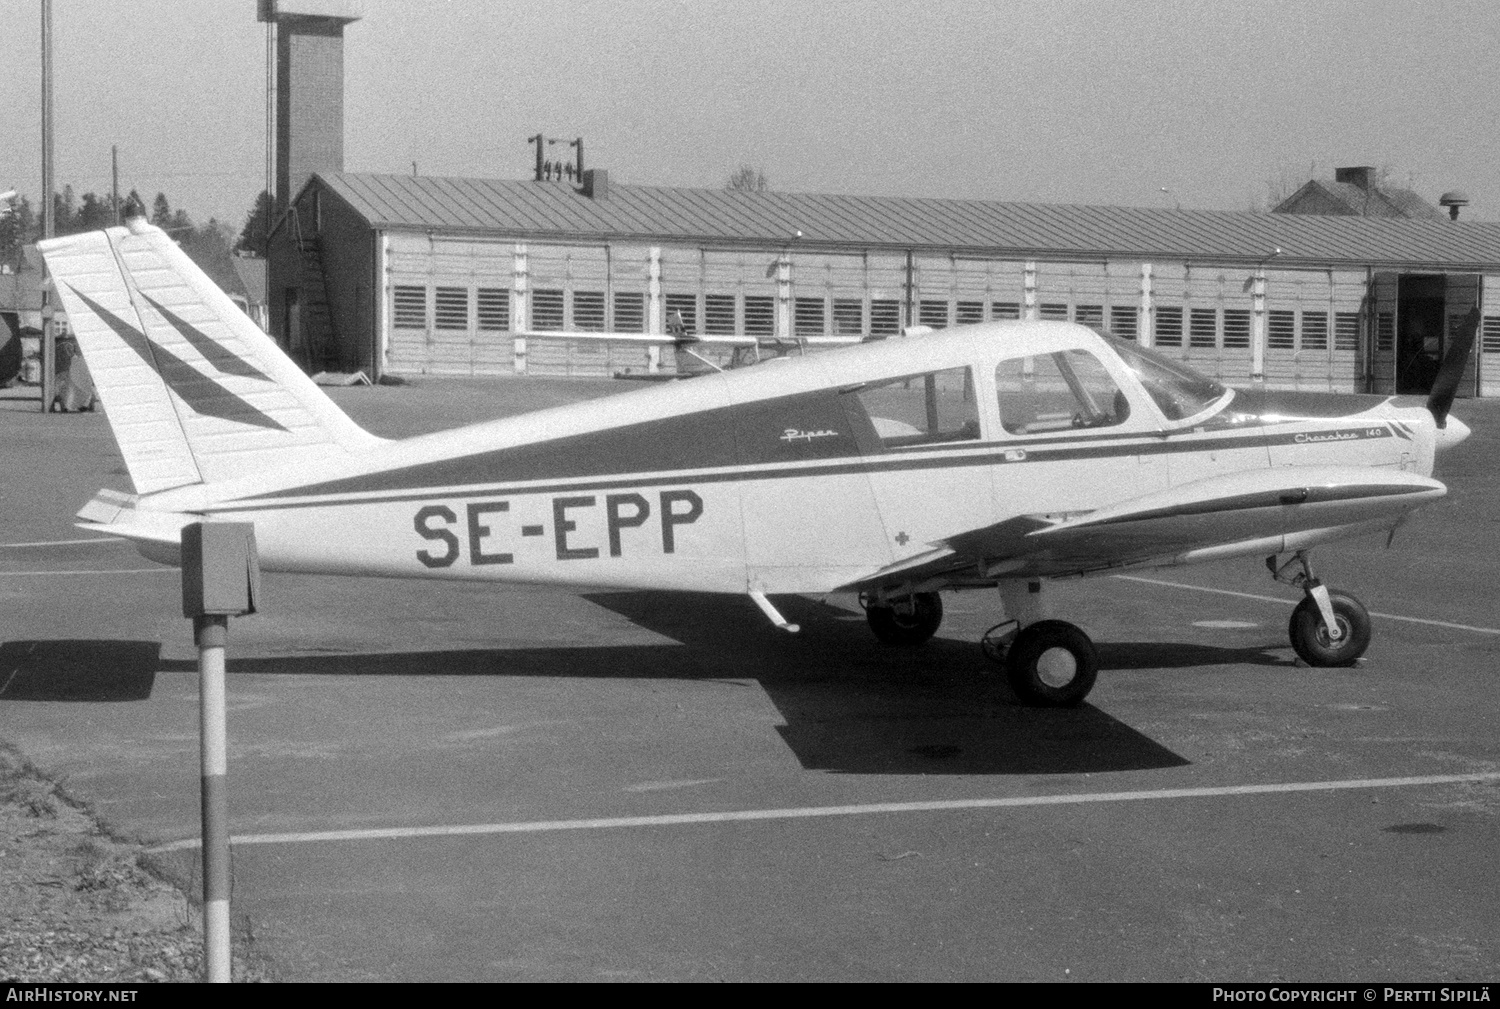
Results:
x,y
1016,230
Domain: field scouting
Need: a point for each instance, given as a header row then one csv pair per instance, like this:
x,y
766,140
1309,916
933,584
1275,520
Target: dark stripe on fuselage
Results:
x,y
823,424
980,454
749,434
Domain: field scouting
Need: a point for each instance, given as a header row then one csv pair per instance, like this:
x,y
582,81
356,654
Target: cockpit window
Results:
x,y
1179,390
1056,392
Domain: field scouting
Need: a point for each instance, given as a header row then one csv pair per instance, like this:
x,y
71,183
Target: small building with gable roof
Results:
x,y
1357,192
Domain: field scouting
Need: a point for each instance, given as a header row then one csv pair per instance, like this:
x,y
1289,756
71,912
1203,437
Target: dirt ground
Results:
x,y
77,905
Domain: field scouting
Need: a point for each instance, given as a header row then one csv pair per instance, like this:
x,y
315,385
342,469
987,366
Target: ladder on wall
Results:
x,y
319,337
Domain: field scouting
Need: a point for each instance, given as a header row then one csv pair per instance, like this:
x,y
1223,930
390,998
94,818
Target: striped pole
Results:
x,y
211,634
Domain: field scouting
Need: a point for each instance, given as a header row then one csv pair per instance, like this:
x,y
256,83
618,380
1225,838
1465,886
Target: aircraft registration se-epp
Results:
x,y
996,455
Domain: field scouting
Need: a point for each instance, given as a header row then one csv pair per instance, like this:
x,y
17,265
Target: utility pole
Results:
x,y
114,180
49,224
270,21
538,140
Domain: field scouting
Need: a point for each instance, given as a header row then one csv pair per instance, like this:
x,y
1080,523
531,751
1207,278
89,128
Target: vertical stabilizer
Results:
x,y
193,390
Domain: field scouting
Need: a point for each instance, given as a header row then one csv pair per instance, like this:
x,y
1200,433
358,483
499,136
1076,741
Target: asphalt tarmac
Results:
x,y
435,781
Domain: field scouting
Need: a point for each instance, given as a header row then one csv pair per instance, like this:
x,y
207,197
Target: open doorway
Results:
x,y
1419,331
291,323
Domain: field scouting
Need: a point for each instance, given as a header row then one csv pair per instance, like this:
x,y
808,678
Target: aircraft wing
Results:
x,y
1247,512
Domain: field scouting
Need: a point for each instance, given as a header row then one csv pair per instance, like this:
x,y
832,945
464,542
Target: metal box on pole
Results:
x,y
220,579
220,570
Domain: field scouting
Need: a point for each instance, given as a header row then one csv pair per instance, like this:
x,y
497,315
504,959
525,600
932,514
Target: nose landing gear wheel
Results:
x,y
1052,664
907,624
1310,638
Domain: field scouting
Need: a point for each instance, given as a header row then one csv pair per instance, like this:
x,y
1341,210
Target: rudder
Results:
x,y
193,390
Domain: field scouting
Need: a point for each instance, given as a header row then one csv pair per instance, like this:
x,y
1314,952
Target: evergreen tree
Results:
x,y
64,210
95,213
161,211
255,235
209,247
17,228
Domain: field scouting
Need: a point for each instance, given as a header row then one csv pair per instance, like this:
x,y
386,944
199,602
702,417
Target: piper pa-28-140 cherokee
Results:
x,y
996,455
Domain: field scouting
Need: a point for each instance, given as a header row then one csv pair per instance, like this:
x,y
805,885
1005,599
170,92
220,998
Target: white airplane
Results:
x,y
990,456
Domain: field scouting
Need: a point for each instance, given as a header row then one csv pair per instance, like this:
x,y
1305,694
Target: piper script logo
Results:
x,y
792,435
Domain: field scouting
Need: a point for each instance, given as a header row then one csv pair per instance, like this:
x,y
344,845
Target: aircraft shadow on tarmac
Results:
x,y
850,705
78,670
853,706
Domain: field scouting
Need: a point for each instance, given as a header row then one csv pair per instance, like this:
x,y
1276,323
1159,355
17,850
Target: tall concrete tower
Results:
x,y
309,89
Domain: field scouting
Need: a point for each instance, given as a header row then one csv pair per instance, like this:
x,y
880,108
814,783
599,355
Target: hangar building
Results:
x,y
400,274
403,274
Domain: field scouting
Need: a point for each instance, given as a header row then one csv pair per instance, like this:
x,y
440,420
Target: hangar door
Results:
x,y
1489,338
449,306
1415,319
1382,333
1313,328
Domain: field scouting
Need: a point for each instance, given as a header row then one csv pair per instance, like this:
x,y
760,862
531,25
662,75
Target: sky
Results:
x,y
1201,105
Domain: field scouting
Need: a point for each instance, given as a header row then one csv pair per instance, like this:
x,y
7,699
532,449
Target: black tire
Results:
x,y
907,630
1310,639
1052,664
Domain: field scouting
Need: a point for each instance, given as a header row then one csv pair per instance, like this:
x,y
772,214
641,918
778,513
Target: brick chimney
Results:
x,y
1362,176
596,184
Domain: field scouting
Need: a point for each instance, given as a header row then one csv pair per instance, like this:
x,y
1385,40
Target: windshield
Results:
x,y
1179,390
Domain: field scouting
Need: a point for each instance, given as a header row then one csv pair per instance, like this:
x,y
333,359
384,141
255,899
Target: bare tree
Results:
x,y
748,179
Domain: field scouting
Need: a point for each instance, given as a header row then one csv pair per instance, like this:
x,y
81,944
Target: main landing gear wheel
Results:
x,y
910,622
1051,664
1313,643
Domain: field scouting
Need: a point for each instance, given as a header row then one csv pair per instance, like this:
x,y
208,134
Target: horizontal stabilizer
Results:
x,y
155,534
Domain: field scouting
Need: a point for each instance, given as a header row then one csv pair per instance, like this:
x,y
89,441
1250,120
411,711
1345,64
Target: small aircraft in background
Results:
x,y
991,456
744,351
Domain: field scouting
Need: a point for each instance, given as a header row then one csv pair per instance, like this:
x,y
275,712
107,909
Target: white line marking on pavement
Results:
x,y
1291,602
63,543
808,812
107,571
662,786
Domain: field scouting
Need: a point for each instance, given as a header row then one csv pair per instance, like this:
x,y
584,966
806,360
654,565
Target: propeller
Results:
x,y
1451,372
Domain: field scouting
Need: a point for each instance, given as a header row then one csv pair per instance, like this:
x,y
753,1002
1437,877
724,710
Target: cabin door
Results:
x,y
928,466
811,523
